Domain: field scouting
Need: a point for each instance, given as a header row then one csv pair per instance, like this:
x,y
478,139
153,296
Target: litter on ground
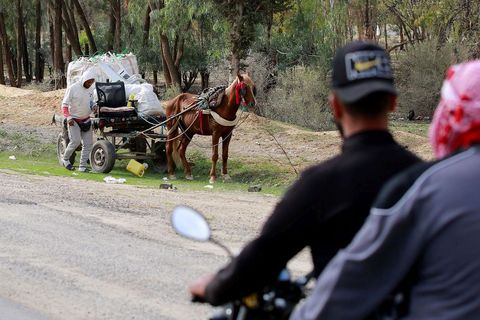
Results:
x,y
113,180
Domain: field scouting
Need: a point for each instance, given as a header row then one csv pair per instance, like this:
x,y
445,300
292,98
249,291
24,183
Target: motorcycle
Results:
x,y
275,301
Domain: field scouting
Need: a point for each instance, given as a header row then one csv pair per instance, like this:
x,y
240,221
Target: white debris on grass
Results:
x,y
113,180
208,186
12,158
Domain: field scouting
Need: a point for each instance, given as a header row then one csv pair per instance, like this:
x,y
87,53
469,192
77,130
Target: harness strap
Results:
x,y
200,115
220,120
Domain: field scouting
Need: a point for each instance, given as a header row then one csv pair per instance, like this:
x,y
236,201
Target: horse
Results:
x,y
186,121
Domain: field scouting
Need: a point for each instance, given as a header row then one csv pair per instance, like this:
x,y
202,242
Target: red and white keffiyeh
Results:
x,y
456,122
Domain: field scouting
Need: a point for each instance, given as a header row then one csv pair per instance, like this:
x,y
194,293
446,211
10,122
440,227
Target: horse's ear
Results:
x,y
239,77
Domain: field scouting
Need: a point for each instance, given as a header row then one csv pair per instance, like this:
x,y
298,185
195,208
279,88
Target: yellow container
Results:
x,y
131,98
136,168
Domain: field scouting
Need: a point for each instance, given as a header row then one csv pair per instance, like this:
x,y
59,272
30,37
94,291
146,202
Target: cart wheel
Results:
x,y
159,164
61,146
102,157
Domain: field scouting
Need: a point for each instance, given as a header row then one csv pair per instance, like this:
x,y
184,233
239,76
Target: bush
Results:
x,y
301,98
420,72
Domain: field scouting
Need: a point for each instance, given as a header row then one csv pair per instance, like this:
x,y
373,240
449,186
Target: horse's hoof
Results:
x,y
172,177
212,180
226,178
190,177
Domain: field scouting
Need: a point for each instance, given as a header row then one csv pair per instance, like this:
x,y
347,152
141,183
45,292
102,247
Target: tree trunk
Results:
x,y
71,13
236,36
51,30
115,24
19,44
155,77
385,35
68,26
146,27
2,73
26,60
59,66
7,54
166,73
87,49
85,24
172,70
402,38
204,75
111,33
68,56
39,61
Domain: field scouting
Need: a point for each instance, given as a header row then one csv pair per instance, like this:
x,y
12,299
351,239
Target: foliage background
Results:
x,y
287,45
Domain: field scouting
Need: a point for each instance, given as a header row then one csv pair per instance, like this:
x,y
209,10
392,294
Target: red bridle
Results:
x,y
240,91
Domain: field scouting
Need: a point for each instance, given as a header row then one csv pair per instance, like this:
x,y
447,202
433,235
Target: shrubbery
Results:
x,y
419,73
301,97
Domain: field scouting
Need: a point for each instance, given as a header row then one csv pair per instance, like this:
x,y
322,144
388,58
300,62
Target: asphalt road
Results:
x,y
72,249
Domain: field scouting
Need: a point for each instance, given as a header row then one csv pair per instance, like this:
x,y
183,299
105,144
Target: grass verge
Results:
x,y
40,159
415,127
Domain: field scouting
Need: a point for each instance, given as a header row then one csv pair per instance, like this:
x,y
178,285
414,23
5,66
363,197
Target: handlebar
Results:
x,y
197,299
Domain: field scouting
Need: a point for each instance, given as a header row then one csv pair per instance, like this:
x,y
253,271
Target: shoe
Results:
x,y
68,165
83,169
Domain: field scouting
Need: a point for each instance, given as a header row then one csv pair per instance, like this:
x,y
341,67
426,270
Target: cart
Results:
x,y
121,133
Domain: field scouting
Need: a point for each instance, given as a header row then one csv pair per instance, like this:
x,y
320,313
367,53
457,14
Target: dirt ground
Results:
x,y
76,249
255,139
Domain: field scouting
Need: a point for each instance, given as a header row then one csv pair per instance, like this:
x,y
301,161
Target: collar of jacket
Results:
x,y
367,138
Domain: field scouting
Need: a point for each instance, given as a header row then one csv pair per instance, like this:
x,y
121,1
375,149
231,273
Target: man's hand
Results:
x,y
198,287
71,122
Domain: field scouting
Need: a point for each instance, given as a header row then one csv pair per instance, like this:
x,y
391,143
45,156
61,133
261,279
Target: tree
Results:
x,y
70,28
243,15
114,36
59,66
2,73
86,25
19,43
39,58
7,53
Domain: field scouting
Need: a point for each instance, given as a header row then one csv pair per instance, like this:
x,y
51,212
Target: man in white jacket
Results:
x,y
77,106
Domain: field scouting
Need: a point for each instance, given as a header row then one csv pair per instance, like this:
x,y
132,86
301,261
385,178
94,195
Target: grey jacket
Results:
x,y
425,224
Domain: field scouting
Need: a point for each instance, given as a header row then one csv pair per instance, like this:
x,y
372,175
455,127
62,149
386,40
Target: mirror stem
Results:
x,y
230,254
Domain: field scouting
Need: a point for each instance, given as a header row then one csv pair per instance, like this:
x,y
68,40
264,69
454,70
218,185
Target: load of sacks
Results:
x,y
111,67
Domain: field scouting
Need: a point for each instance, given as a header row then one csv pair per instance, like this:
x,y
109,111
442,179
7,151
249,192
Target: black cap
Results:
x,y
361,68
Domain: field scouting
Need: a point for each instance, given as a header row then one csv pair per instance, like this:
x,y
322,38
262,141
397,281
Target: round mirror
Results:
x,y
191,224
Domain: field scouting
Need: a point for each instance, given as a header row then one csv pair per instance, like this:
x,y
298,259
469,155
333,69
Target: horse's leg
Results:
x,y
182,151
169,150
225,143
215,139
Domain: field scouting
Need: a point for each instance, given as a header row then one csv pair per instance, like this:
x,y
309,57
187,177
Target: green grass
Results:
x,y
33,157
418,128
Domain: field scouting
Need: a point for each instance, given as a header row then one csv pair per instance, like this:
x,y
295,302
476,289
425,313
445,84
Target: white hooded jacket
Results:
x,y
78,98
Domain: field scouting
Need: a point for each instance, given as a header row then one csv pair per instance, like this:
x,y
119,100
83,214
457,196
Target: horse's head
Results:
x,y
245,91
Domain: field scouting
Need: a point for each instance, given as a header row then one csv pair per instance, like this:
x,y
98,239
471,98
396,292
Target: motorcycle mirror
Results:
x,y
191,224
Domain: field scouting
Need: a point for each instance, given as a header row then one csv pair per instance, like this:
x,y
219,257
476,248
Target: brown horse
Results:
x,y
192,121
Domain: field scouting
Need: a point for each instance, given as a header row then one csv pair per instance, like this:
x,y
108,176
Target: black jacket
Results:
x,y
323,210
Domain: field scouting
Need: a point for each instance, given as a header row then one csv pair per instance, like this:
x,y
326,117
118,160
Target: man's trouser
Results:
x,y
78,136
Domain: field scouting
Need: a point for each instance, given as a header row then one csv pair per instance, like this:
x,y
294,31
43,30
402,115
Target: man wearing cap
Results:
x,y
77,106
330,201
423,231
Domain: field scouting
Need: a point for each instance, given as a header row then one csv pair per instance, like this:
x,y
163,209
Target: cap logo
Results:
x,y
367,64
